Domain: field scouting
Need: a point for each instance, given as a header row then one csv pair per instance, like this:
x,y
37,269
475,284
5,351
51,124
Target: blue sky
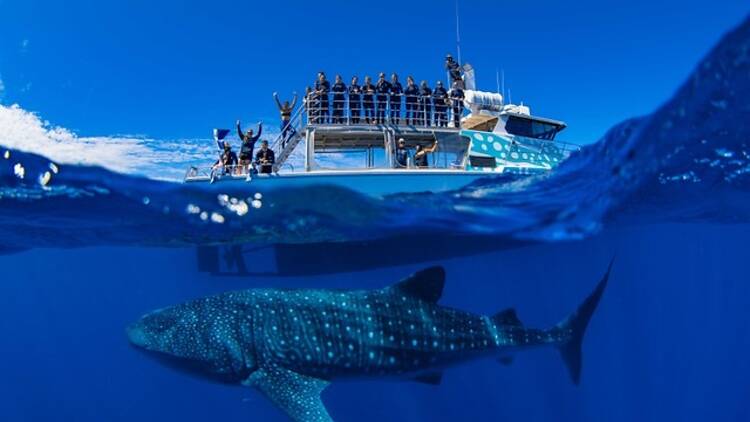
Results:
x,y
173,69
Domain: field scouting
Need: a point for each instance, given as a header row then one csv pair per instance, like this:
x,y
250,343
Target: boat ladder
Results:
x,y
283,148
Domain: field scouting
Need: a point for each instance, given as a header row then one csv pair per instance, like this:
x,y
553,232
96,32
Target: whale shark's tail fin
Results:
x,y
576,324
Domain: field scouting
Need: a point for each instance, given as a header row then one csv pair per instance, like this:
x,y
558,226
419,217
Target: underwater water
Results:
x,y
85,251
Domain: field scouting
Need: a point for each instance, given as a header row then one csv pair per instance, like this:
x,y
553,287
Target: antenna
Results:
x,y
458,36
503,85
510,97
497,79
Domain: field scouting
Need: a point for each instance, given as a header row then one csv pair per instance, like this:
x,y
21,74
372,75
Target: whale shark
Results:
x,y
290,344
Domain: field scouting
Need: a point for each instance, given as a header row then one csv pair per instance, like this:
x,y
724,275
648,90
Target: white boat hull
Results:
x,y
377,183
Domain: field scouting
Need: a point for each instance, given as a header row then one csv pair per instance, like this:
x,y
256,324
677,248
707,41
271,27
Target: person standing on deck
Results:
x,y
440,98
401,154
322,87
383,88
286,109
454,69
420,155
339,91
355,92
411,97
457,101
368,100
425,104
396,92
248,144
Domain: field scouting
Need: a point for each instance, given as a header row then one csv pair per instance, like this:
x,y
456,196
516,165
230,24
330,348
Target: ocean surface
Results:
x,y
96,232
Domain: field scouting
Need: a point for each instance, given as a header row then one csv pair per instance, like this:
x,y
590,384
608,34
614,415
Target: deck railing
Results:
x,y
389,109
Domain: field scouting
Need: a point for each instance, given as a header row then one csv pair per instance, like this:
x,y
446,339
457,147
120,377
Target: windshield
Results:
x,y
531,128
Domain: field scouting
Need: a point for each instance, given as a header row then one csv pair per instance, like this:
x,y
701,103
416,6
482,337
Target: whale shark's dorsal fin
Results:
x,y
296,394
426,284
507,317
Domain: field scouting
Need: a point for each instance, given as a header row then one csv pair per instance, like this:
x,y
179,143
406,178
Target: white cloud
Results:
x,y
159,159
2,88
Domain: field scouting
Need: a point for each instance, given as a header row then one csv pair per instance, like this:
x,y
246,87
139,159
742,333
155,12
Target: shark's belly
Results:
x,y
367,335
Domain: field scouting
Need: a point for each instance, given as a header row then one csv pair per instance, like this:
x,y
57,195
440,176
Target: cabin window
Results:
x,y
531,128
477,161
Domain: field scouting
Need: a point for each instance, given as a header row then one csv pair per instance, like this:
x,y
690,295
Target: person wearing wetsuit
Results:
x,y
355,92
425,104
265,158
440,99
411,97
322,87
248,144
368,100
339,98
383,88
285,109
420,155
227,160
396,92
457,102
401,154
453,68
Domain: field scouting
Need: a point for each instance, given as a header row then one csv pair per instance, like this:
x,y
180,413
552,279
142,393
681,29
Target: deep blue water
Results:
x,y
667,193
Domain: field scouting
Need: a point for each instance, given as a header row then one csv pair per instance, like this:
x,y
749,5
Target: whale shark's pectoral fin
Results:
x,y
296,394
426,284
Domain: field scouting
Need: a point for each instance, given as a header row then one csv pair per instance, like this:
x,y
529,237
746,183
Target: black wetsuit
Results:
x,y
227,160
383,88
396,91
248,144
439,96
425,105
368,102
457,102
454,69
402,157
421,160
338,89
321,90
269,157
411,96
355,94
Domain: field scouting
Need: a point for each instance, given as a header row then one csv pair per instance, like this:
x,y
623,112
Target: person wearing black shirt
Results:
x,y
420,155
383,88
338,89
457,99
322,87
227,161
248,144
402,154
411,95
440,98
355,94
368,100
396,91
265,158
425,104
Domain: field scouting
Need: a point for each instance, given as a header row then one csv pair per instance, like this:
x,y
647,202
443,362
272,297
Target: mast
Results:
x,y
458,36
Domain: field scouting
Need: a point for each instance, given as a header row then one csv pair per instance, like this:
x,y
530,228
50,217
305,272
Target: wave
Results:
x,y
687,161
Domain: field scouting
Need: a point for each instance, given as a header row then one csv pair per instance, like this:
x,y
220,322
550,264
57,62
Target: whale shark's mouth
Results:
x,y
202,369
136,336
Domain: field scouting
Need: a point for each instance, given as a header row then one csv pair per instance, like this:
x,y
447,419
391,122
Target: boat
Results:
x,y
493,139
